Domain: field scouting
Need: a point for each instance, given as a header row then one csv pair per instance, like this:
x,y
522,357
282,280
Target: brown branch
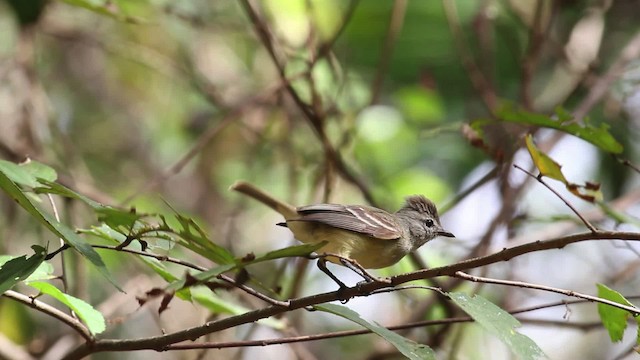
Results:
x,y
160,342
575,211
44,308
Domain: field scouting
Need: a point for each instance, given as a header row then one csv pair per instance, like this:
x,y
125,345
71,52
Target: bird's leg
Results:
x,y
322,265
354,266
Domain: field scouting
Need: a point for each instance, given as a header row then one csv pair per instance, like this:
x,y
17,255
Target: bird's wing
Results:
x,y
361,219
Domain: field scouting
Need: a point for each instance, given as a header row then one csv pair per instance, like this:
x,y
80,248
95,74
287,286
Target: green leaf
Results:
x,y
90,316
16,269
56,227
408,348
50,187
291,251
613,318
197,241
545,164
548,167
44,271
27,173
499,323
111,216
598,136
39,170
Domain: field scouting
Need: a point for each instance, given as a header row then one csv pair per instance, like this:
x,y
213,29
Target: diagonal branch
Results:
x,y
632,309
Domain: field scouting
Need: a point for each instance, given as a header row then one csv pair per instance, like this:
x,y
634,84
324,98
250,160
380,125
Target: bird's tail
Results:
x,y
288,211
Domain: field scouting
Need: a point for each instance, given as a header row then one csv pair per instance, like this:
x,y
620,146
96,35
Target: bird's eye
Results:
x,y
429,222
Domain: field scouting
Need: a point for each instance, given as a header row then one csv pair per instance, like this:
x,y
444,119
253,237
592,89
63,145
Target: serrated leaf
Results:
x,y
16,269
499,323
408,348
614,319
56,227
545,164
598,136
91,317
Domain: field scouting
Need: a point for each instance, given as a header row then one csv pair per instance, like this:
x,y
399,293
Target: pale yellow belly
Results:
x,y
370,253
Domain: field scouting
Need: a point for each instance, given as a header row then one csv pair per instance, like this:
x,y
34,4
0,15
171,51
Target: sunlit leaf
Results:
x,y
614,319
548,167
90,316
499,323
17,269
408,348
545,164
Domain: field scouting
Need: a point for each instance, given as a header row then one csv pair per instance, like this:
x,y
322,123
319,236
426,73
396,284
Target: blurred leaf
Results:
x,y
106,8
613,318
61,230
418,181
408,348
90,316
205,297
499,323
19,268
39,170
598,136
420,104
545,164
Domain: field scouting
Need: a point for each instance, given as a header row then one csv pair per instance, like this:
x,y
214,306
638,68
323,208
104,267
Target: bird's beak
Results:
x,y
445,233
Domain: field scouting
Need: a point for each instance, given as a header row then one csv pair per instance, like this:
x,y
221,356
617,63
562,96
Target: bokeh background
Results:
x,y
161,104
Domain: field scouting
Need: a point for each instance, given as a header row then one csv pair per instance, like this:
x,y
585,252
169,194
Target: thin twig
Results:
x,y
63,276
44,308
413,325
575,211
632,309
